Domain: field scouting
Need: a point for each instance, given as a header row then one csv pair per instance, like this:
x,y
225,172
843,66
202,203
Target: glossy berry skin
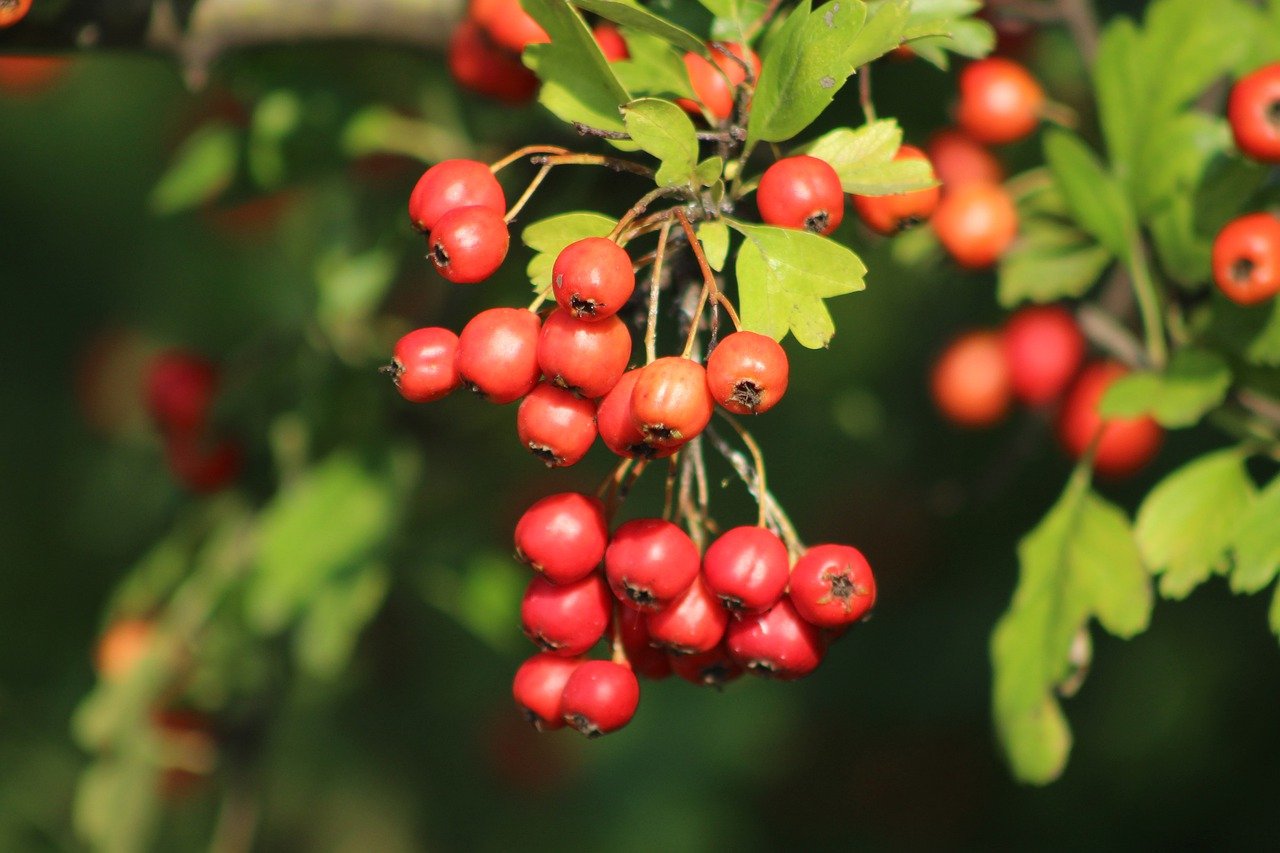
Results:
x,y
976,223
971,384
468,244
424,364
716,81
538,687
479,65
556,426
715,668
563,536
180,388
647,661
832,586
1246,259
203,465
1000,101
121,647
692,624
777,643
567,619
649,562
1125,444
890,214
801,192
593,278
1044,348
1254,112
671,403
959,160
587,358
617,428
12,11
612,44
508,24
498,353
451,184
747,569
747,373
600,697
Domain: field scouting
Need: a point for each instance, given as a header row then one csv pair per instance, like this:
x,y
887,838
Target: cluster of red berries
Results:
x,y
741,606
181,388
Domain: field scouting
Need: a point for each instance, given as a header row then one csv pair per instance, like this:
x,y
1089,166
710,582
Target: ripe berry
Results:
x,y
538,686
777,643
618,429
999,101
975,224
957,160
586,358
649,562
498,353
468,244
832,586
12,11
593,278
481,66
201,465
121,647
424,364
612,44
556,426
646,660
1125,444
714,85
180,391
508,24
451,184
715,668
600,697
692,624
889,214
801,192
567,619
671,403
1254,112
970,383
563,536
747,373
747,568
1246,259
1044,348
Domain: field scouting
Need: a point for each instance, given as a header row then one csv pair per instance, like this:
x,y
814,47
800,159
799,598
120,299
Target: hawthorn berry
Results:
x,y
538,686
1246,258
203,465
12,11
692,624
600,697
971,384
563,536
1124,444
451,184
671,403
618,429
957,160
832,586
498,353
777,643
1044,348
593,278
508,24
1000,101
801,192
556,426
715,668
481,66
649,562
747,373
468,244
122,646
975,223
567,619
890,214
180,390
647,661
585,358
1254,112
747,569
424,364
612,44
716,81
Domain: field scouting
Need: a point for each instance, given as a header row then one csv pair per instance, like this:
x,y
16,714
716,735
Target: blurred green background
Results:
x,y
413,743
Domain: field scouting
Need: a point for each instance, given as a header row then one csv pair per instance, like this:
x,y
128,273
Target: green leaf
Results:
x,y
1094,197
886,22
548,238
336,615
1188,522
664,130
1274,614
1049,261
783,277
1195,382
713,234
201,170
1251,332
350,285
655,68
733,17
709,172
938,26
641,19
1172,162
863,159
1257,546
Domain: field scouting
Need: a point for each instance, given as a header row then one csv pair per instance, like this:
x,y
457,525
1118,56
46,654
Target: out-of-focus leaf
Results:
x,y
352,285
1195,382
116,804
549,237
484,598
885,26
958,32
1251,332
1095,199
655,68
1050,260
201,170
334,618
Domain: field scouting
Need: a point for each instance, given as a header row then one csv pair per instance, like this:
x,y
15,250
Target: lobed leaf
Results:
x,y
1257,543
863,159
1094,197
1195,382
665,131
1050,260
549,237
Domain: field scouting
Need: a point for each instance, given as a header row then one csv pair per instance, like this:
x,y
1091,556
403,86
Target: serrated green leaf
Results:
x,y
863,160
202,169
714,236
936,27
886,21
665,131
1049,261
655,68
1195,382
1094,197
549,236
1257,545
641,19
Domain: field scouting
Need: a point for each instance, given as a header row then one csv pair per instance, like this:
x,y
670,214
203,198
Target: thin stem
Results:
x,y
539,299
726,135
1144,288
611,483
864,93
775,514
709,288
638,208
1109,335
757,457
655,285
527,151
699,463
619,655
615,163
668,499
528,194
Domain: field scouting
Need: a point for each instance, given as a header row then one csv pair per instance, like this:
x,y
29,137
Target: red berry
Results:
x,y
889,214
999,101
618,429
747,567
556,426
468,244
586,358
180,390
692,624
714,85
777,643
646,660
1125,444
201,465
1044,349
538,686
747,373
567,619
612,44
970,383
649,562
563,536
801,192
424,365
715,668
451,184
957,160
508,24
593,278
832,586
12,11
975,224
600,697
498,353
1246,259
1254,112
481,66
671,403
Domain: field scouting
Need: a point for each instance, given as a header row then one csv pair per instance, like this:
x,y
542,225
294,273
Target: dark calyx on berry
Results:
x,y
640,596
395,370
843,589
661,433
546,454
1242,269
583,307
439,256
817,222
583,725
747,393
